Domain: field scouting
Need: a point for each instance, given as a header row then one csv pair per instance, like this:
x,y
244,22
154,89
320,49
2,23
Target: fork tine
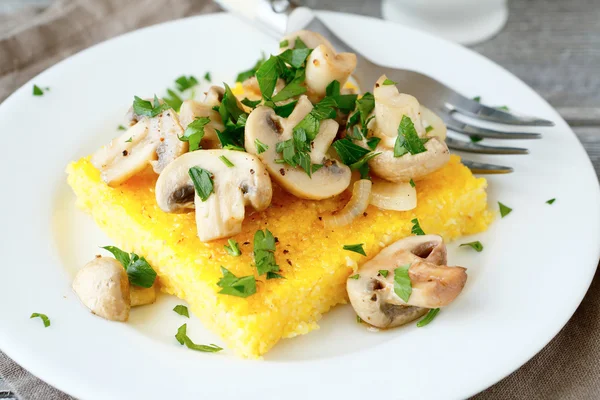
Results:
x,y
471,147
475,109
471,130
481,168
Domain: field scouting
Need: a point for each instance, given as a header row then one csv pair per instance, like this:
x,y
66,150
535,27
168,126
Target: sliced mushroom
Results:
x,y
390,107
191,110
310,39
433,283
221,215
141,296
153,141
102,286
324,66
332,179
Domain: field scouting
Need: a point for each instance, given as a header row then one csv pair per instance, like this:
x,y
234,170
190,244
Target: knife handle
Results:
x,y
269,15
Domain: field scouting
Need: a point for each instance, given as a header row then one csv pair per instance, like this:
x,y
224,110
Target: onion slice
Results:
x,y
361,195
397,196
429,118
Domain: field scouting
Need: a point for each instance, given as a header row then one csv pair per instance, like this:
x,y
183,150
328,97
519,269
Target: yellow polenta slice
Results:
x,y
451,203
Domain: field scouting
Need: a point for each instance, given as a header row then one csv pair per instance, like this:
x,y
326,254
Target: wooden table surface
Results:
x,y
552,45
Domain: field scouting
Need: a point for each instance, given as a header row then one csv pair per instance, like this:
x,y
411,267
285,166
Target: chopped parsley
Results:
x,y
285,110
145,108
43,317
37,91
260,146
284,43
182,310
299,44
364,106
264,254
233,249
138,270
359,320
503,108
234,286
428,318
416,228
173,100
362,166
207,77
121,128
250,103
267,76
349,152
384,272
194,133
292,89
477,246
428,128
355,276
183,338
372,142
242,76
129,140
477,99
345,102
412,183
226,161
357,248
504,210
389,82
551,201
234,119
402,284
202,180
408,141
295,57
475,138
184,82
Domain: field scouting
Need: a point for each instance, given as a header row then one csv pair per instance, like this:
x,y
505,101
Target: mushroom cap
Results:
x,y
266,126
323,66
221,215
102,286
153,141
191,110
433,283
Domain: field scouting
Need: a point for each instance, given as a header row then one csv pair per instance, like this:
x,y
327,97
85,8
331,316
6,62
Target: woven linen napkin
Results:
x,y
34,39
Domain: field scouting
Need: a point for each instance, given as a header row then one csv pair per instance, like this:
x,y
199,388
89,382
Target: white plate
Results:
x,y
535,269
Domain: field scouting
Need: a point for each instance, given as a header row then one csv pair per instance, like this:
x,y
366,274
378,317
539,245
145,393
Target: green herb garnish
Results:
x,y
292,89
260,146
267,76
173,100
285,110
145,108
250,103
389,82
194,133
372,142
234,286
428,128
43,317
138,270
284,43
357,248
226,161
551,201
129,140
362,166
264,254
504,210
345,102
233,249
182,310
475,138
242,76
184,83
183,338
202,180
384,272
349,152
121,128
416,228
355,276
477,99
408,140
402,284
428,318
37,91
503,108
207,77
412,183
359,319
477,246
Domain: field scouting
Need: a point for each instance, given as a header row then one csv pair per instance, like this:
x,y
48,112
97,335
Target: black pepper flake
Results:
x,y
276,239
320,218
246,243
377,85
365,214
288,261
282,171
125,153
252,171
285,251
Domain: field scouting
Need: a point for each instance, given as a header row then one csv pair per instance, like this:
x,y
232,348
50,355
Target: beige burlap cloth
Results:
x,y
34,39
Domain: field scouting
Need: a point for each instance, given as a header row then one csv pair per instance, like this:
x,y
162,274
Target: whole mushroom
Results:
x,y
222,213
102,286
434,284
269,129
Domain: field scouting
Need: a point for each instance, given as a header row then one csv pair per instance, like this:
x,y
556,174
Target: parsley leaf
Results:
x,y
475,138
43,317
428,318
428,128
357,248
242,76
285,110
184,83
349,152
264,253
299,44
260,146
129,140
37,91
355,276
359,319
138,270
267,76
384,272
234,286
503,108
372,142
412,183
182,310
295,57
292,89
416,228
202,180
477,99
173,100
407,141
363,161
145,108
364,106
389,82
284,43
250,103
402,284
477,246
183,338
233,249
207,77
121,128
504,210
551,201
195,132
226,161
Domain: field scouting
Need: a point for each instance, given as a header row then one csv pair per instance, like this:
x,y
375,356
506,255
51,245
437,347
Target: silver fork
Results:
x,y
435,95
